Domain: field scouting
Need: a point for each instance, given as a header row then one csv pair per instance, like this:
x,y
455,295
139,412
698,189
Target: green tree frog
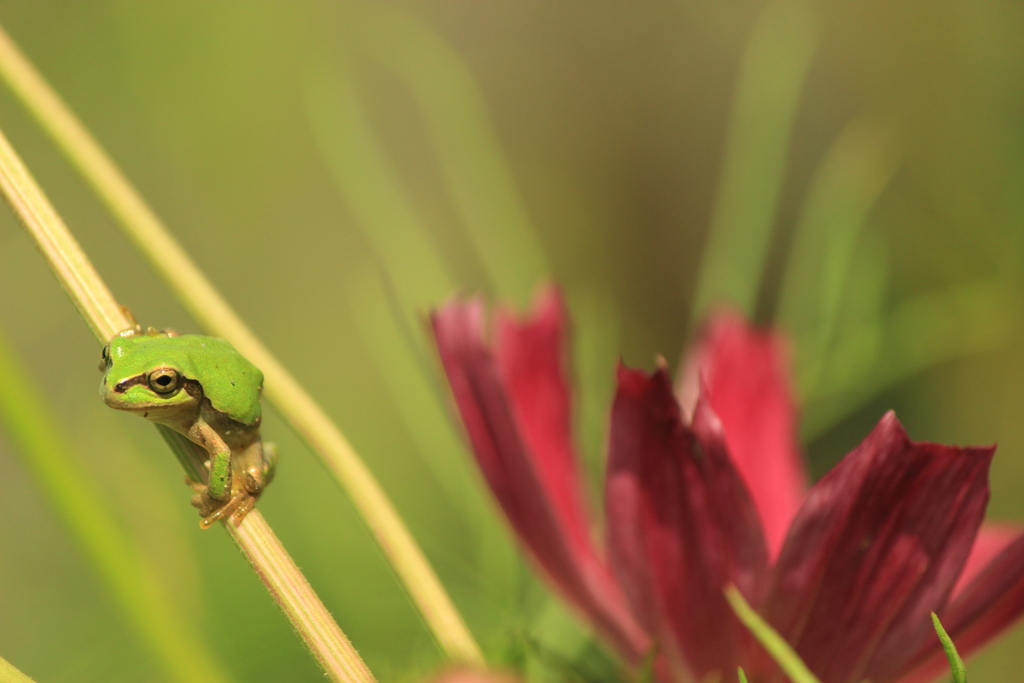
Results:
x,y
202,388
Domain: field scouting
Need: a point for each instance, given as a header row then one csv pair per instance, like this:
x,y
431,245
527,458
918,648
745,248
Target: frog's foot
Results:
x,y
237,506
213,509
202,500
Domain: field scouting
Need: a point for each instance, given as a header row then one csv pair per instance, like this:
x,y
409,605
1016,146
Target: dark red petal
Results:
x,y
515,406
931,662
877,544
986,606
746,373
681,525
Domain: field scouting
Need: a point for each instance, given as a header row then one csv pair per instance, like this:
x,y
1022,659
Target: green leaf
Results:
x,y
955,663
832,278
778,54
788,660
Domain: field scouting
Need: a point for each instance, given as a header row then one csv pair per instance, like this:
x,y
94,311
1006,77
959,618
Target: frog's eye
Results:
x,y
164,380
104,359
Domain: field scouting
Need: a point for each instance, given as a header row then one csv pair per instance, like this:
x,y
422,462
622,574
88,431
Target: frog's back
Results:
x,y
229,380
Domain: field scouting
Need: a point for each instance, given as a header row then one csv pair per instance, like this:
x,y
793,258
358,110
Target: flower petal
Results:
x,y
515,405
987,605
992,540
681,525
531,364
878,543
747,378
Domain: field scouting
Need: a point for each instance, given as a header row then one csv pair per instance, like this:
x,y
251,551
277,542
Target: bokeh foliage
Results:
x,y
338,167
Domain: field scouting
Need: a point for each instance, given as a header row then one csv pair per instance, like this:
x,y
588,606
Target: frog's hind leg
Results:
x,y
269,462
258,462
256,470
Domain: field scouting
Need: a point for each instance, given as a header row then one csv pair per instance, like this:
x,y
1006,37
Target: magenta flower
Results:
x,y
707,488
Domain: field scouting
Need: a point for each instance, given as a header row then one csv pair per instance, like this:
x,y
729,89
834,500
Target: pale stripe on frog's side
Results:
x,y
202,388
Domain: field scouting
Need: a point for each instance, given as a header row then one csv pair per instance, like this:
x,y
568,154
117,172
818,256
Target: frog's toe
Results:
x,y
238,505
220,513
244,508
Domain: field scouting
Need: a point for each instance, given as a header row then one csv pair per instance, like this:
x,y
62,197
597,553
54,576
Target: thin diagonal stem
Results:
x,y
10,674
88,292
297,599
209,308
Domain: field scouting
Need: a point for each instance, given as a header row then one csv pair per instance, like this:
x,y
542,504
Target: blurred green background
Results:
x,y
851,171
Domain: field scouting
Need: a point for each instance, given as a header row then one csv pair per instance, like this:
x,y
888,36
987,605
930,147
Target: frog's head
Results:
x,y
142,375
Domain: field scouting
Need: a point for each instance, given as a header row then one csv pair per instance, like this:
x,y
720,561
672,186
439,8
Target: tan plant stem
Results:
x,y
209,308
10,674
300,604
88,292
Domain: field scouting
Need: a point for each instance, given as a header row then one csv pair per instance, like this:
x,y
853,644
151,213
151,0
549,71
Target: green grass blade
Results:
x,y
821,269
128,575
388,299
771,78
741,675
920,332
788,660
371,187
956,664
485,193
470,157
389,309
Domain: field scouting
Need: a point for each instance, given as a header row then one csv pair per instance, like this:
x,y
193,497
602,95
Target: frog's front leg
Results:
x,y
217,498
219,485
